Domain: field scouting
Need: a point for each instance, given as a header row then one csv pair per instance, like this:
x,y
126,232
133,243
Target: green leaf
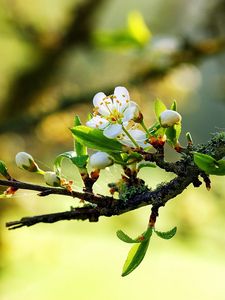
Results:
x,y
4,170
173,134
144,164
80,149
117,157
77,121
159,107
58,161
189,138
168,234
133,156
160,132
117,39
154,128
89,117
174,105
135,257
80,161
95,139
147,234
125,238
209,165
138,28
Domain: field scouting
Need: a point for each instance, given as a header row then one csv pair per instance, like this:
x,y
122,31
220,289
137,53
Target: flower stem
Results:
x,y
130,137
145,128
39,171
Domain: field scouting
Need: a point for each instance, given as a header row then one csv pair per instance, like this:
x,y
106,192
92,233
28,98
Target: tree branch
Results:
x,y
45,191
100,205
158,197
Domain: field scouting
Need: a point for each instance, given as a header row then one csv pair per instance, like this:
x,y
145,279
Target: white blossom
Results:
x,y
169,118
51,178
100,160
112,112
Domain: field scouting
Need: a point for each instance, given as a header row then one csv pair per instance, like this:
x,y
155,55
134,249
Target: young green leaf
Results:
x,y
135,257
147,234
58,161
125,238
142,237
174,105
138,28
134,156
189,138
168,234
80,161
209,165
173,134
159,107
80,149
160,132
77,121
4,170
154,128
95,139
144,164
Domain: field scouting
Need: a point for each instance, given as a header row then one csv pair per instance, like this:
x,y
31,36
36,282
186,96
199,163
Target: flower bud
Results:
x,y
100,160
51,179
169,118
25,161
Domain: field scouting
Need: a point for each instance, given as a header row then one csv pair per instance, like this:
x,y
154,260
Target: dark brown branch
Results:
x,y
158,198
45,191
108,206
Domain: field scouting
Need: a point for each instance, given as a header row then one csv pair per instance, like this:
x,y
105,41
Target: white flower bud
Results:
x,y
169,118
25,161
100,160
51,179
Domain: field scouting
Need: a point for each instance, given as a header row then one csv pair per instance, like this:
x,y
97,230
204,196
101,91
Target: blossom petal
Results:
x,y
122,98
99,102
138,135
130,112
97,122
112,131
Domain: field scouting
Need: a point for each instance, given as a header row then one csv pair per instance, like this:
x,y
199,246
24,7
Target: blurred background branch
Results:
x,y
21,121
30,83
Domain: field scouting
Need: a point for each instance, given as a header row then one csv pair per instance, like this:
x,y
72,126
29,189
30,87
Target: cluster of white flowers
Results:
x,y
113,115
118,117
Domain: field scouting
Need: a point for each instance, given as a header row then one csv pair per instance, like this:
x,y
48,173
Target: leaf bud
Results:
x,y
100,160
169,118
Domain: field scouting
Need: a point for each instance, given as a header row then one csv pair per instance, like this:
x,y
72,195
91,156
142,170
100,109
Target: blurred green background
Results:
x,y
54,56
